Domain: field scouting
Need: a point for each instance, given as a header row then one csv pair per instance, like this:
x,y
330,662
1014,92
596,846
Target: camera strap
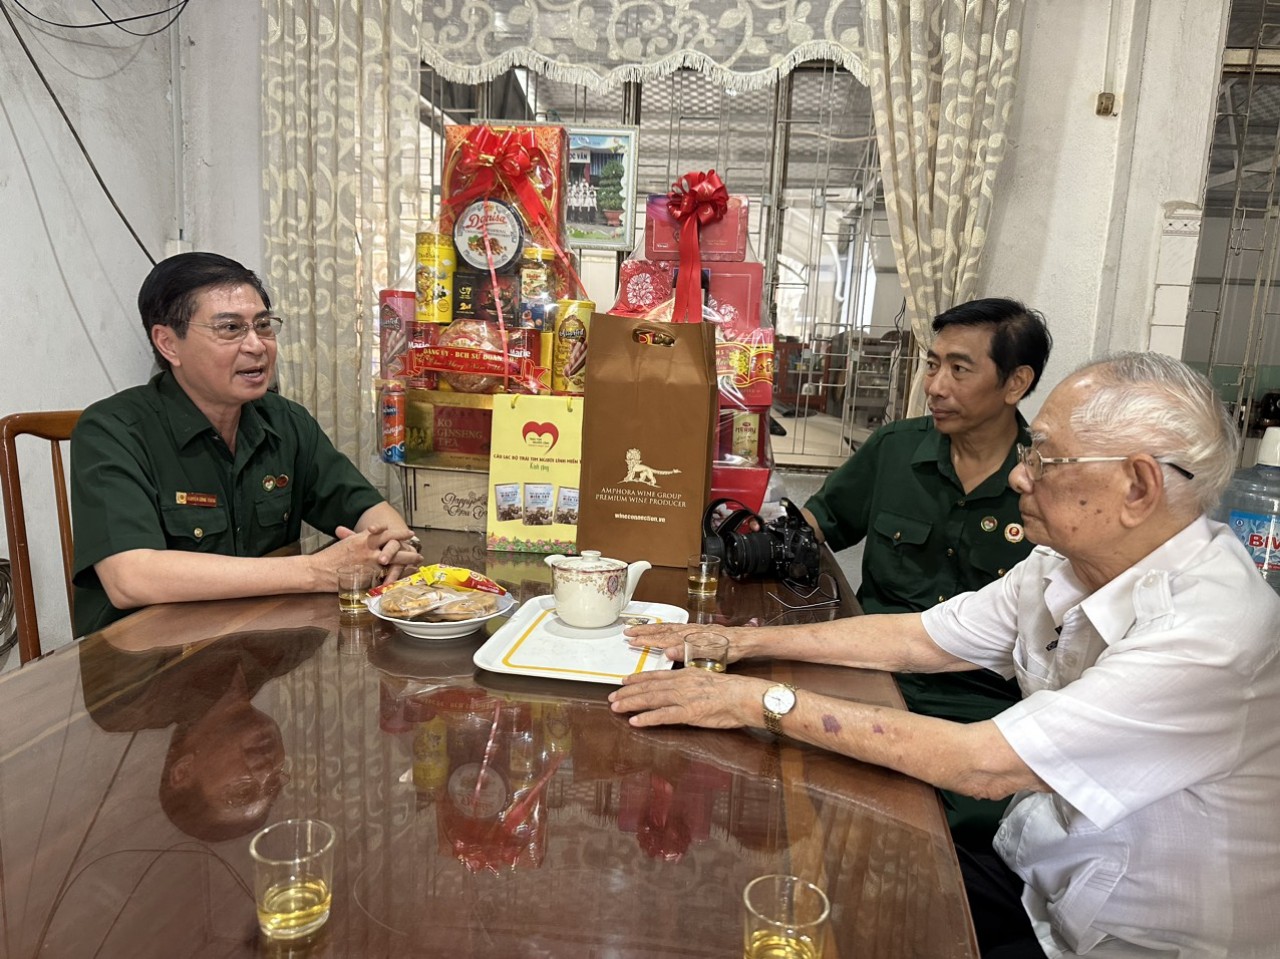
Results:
x,y
713,533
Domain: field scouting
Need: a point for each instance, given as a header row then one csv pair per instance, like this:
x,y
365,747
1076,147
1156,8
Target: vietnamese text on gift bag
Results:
x,y
533,473
648,435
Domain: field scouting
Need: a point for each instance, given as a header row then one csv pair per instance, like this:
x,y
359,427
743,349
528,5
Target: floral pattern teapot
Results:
x,y
591,590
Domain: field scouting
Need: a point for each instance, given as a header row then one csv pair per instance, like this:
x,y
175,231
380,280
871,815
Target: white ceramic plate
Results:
x,y
450,630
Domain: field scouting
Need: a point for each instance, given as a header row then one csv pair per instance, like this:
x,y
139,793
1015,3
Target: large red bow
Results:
x,y
490,161
695,200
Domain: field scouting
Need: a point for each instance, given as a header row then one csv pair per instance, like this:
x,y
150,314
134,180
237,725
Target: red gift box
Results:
x,y
744,367
746,484
545,178
723,240
735,293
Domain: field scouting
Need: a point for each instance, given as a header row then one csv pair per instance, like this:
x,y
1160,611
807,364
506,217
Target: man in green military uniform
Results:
x,y
180,488
931,497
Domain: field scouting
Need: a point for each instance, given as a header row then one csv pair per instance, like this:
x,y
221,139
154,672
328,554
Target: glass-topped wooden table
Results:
x,y
136,764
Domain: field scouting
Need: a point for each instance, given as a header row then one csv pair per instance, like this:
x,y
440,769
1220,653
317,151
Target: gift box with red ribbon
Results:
x,y
524,166
722,240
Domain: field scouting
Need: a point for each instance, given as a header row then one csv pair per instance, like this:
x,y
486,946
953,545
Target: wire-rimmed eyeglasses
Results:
x,y
233,331
825,588
1034,462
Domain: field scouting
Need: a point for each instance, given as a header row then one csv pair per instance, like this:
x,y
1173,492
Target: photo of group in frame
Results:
x,y
601,188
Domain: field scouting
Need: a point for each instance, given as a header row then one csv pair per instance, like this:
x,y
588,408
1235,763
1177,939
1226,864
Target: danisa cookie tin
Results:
x,y
497,223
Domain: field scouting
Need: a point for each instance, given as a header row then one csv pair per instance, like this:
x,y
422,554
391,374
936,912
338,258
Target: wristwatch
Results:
x,y
778,700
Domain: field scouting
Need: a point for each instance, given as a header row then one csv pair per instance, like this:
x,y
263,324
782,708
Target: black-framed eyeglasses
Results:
x,y
233,331
1034,462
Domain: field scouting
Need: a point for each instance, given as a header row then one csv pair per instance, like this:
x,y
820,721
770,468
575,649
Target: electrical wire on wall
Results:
x,y
176,9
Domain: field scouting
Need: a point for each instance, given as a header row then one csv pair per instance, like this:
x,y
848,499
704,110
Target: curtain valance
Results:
x,y
600,44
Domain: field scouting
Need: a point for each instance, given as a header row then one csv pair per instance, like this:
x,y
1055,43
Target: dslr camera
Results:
x,y
786,549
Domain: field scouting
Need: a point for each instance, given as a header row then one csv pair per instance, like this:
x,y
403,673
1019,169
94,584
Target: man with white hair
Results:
x,y
1144,756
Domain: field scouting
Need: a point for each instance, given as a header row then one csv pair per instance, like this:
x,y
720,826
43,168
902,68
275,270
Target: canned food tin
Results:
x,y
393,423
395,331
569,356
437,262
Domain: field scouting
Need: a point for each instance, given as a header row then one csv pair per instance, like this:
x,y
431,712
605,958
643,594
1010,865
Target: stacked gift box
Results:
x,y
732,283
490,274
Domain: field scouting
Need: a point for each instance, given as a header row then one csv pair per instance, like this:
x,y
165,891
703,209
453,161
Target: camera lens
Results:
x,y
749,554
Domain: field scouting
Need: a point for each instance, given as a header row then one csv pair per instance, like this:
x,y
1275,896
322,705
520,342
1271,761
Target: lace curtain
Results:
x,y
341,182
740,44
941,74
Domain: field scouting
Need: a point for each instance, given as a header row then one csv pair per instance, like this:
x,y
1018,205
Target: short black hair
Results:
x,y
168,294
1019,336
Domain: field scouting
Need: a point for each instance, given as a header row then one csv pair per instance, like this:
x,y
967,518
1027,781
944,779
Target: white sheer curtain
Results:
x,y
942,75
741,44
340,175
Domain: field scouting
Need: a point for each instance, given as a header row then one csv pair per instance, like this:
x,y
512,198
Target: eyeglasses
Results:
x,y
233,331
826,591
1034,463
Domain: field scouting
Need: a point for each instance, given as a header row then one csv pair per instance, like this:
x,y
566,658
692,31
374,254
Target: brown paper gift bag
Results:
x,y
648,435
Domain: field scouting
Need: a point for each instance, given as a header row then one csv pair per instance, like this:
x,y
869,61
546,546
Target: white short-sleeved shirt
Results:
x,y
1152,710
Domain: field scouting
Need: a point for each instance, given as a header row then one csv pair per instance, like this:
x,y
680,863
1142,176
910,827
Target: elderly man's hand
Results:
x,y
391,550
695,697
669,637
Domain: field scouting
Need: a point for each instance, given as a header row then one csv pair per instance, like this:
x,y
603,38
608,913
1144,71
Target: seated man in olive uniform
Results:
x,y
931,497
180,488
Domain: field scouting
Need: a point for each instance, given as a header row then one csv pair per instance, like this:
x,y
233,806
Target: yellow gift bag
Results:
x,y
534,459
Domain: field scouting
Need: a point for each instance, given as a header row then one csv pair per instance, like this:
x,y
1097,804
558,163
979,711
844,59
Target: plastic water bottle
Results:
x,y
1251,507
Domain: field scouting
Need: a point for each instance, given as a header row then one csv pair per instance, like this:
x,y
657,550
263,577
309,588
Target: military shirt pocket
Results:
x,y
273,511
197,529
899,531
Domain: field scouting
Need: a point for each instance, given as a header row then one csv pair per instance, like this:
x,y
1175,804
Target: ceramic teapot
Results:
x,y
591,590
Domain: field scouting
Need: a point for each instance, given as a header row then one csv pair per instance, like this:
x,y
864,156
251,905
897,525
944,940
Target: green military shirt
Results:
x,y
149,471
926,541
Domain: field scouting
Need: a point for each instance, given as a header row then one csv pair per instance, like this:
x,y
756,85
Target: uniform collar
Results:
x,y
1138,595
187,422
934,449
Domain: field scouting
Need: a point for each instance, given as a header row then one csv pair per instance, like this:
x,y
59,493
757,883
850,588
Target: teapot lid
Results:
x,y
592,562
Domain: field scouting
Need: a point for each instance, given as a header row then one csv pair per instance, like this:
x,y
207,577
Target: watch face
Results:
x,y
779,699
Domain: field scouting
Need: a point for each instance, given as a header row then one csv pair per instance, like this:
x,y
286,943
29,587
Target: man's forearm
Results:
x,y
973,759
142,577
897,643
382,515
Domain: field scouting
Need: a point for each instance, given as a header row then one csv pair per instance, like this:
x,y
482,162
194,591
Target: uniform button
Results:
x,y
1151,579
897,536
942,599
286,514
999,572
199,532
959,502
951,552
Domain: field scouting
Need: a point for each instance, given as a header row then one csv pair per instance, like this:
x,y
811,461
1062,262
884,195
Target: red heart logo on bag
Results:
x,y
539,431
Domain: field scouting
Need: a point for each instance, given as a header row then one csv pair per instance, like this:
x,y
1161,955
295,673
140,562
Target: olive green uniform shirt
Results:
x,y
149,471
926,541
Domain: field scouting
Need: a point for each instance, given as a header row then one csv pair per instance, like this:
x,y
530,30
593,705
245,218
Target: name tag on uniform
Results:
x,y
196,499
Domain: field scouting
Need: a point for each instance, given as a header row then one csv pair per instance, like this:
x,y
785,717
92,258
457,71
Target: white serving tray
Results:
x,y
535,642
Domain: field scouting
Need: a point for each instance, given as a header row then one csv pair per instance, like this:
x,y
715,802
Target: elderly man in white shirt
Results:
x,y
1144,757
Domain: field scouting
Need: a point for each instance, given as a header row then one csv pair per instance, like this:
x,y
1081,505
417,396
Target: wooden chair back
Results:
x,y
56,428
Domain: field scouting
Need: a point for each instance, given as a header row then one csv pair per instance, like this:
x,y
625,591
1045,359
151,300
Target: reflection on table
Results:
x,y
478,814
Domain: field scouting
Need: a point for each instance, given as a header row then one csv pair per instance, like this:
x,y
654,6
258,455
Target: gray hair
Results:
x,y
1152,403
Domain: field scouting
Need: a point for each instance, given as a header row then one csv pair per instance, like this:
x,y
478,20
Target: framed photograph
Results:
x,y
601,191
